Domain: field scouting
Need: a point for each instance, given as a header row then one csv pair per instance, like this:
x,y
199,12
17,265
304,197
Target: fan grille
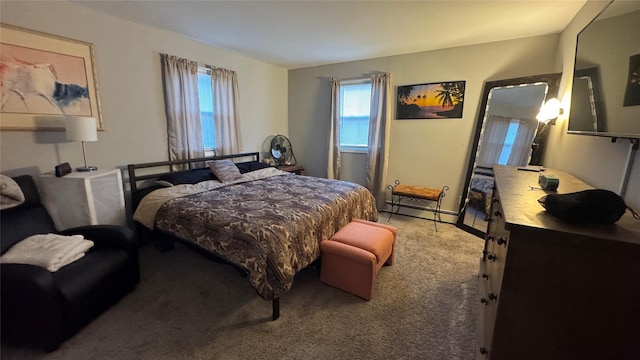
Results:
x,y
282,151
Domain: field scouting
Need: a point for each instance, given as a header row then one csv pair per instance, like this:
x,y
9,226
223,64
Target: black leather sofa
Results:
x,y
42,308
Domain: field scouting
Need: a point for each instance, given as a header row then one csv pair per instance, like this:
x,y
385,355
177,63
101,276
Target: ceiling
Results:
x,y
303,33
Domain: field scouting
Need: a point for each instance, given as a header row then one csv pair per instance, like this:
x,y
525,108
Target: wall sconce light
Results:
x,y
82,129
550,111
548,114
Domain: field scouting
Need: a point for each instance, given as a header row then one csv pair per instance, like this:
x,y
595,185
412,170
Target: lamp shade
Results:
x,y
81,128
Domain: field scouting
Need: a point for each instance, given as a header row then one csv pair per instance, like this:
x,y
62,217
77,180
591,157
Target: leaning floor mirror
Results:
x,y
504,135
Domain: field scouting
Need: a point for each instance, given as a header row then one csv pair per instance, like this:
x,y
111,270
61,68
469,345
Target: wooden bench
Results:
x,y
431,197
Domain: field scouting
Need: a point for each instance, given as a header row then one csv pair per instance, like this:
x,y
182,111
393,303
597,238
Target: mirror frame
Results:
x,y
595,100
610,110
552,80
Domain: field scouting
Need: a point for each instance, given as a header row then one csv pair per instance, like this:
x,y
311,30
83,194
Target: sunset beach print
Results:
x,y
431,101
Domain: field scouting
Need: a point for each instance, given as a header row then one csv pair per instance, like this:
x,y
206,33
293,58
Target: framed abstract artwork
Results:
x,y
45,78
441,100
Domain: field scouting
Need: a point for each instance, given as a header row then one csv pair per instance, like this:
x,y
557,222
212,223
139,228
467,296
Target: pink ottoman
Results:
x,y
352,257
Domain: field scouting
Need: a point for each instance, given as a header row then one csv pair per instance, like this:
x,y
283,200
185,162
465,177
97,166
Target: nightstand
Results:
x,y
296,169
84,198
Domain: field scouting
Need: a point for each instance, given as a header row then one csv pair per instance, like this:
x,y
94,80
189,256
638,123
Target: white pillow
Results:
x,y
163,183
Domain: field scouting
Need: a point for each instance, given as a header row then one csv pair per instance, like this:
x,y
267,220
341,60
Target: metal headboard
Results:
x,y
134,178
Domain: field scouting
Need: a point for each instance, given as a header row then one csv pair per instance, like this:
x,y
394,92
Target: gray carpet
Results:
x,y
188,307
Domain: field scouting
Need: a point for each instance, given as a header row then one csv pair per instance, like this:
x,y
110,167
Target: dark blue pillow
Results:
x,y
248,166
188,176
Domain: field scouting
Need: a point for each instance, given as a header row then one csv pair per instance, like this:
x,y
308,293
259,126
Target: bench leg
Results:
x,y
391,187
438,206
435,222
392,204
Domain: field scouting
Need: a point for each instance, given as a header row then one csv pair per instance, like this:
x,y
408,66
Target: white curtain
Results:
x,y
182,108
493,137
521,148
224,86
333,167
379,125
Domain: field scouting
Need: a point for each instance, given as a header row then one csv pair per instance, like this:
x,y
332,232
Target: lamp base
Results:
x,y
88,168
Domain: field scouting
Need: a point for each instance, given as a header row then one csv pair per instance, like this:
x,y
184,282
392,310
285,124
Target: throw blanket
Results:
x,y
10,193
50,251
271,227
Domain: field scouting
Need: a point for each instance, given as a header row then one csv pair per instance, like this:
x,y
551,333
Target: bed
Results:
x,y
268,223
480,194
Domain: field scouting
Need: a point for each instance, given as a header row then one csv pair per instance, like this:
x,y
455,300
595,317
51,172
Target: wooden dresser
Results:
x,y
554,290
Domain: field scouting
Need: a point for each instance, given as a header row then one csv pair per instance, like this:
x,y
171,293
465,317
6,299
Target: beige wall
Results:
x,y
595,160
426,152
130,85
423,152
435,152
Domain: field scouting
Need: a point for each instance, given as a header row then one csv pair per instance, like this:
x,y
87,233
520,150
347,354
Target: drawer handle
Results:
x,y
491,296
485,276
502,241
491,257
498,214
490,238
484,351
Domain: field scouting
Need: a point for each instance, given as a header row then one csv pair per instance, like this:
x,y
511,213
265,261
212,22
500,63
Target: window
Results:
x,y
206,110
355,104
509,140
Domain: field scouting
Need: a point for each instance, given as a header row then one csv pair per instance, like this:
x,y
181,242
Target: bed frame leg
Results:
x,y
276,309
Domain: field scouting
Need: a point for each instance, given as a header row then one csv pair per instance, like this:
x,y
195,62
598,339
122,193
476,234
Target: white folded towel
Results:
x,y
50,251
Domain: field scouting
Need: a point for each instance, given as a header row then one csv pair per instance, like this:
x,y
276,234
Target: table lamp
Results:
x,y
82,129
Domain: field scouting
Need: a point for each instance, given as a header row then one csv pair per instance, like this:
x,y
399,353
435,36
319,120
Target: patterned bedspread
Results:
x,y
485,187
271,227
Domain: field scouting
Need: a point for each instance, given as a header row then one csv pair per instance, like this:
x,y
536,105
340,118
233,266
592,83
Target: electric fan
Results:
x,y
281,151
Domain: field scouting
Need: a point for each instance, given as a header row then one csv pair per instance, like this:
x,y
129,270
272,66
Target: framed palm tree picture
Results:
x,y
443,100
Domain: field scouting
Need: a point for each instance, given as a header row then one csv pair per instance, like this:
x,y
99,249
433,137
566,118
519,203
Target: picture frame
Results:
x,y
439,100
44,79
632,91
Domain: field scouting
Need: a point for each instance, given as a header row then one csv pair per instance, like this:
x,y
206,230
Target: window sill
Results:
x,y
355,151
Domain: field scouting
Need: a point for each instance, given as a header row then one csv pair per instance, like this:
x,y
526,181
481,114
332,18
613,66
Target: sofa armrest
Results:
x,y
106,236
346,251
28,278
